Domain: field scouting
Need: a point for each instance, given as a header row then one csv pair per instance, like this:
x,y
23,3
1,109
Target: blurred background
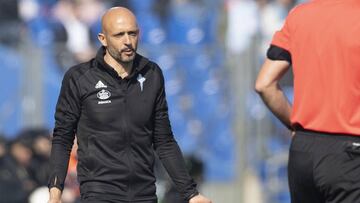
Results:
x,y
210,52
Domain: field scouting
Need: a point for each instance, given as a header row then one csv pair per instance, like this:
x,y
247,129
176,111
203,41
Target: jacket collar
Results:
x,y
139,63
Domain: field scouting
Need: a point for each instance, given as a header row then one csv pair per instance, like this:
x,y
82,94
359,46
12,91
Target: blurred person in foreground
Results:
x,y
41,147
116,106
320,39
16,177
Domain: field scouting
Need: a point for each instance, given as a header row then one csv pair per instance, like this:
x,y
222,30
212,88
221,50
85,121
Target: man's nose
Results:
x,y
127,39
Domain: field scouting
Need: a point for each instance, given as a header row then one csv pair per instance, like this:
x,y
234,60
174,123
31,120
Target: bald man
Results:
x,y
116,106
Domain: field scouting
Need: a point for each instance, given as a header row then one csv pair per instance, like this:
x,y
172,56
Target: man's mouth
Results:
x,y
128,51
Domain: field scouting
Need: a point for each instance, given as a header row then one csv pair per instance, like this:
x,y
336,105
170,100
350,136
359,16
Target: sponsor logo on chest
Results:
x,y
103,94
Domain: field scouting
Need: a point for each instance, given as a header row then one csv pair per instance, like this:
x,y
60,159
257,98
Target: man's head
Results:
x,y
120,34
20,150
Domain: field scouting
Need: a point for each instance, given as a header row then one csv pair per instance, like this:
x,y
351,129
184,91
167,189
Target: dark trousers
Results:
x,y
324,168
112,201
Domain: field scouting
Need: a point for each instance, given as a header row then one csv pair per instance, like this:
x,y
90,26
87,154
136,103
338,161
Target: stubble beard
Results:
x,y
117,55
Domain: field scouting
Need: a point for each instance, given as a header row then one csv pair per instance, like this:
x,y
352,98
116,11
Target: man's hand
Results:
x,y
55,195
199,199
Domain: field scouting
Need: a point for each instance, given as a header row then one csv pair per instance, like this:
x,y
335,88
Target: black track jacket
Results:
x,y
118,124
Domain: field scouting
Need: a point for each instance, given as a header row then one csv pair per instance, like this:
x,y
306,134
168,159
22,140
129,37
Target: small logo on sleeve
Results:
x,y
141,81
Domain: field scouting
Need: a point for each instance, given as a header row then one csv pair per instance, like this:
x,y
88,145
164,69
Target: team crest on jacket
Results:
x,y
141,81
103,94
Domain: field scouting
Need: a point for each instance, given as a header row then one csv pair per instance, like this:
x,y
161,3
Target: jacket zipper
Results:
x,y
128,139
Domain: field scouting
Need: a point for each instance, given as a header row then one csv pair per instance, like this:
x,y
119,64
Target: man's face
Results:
x,y
121,40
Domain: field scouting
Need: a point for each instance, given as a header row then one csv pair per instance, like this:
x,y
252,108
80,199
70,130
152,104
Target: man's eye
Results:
x,y
120,35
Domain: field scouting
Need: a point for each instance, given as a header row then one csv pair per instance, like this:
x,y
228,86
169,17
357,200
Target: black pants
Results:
x,y
117,201
111,201
324,168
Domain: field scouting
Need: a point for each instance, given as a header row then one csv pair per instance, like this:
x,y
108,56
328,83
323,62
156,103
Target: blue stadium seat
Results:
x,y
142,5
151,29
185,24
10,97
220,156
51,86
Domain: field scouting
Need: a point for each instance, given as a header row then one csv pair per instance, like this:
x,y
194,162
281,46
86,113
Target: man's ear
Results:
x,y
102,39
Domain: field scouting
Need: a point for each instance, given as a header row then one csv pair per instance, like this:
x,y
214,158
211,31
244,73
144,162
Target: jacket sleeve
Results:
x,y
168,150
66,118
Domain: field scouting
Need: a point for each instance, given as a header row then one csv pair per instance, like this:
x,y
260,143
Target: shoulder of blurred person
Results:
x,y
19,169
10,181
39,142
21,156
